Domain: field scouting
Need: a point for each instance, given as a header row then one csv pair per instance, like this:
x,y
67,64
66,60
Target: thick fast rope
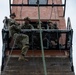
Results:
x,y
43,57
21,10
51,10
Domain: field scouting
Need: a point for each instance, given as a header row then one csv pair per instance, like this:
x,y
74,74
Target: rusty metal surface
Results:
x,y
34,66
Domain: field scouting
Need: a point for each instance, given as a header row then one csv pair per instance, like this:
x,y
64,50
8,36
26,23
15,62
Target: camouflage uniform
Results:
x,y
26,25
50,25
5,21
11,25
24,38
54,35
21,40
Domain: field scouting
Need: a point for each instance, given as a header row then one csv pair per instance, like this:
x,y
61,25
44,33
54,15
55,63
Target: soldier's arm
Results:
x,y
5,21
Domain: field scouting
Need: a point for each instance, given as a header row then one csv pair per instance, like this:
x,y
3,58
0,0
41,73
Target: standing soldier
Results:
x,y
51,25
26,24
54,35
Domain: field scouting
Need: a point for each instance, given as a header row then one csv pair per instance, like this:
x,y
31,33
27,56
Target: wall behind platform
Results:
x,y
45,12
32,12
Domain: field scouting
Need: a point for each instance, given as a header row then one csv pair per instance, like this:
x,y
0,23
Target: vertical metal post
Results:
x,y
43,58
10,6
71,44
64,8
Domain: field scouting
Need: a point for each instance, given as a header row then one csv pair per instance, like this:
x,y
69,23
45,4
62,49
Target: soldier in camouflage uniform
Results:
x,y
11,25
21,40
26,24
51,25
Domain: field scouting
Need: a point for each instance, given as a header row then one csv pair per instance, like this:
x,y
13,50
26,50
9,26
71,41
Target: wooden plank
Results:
x,y
48,53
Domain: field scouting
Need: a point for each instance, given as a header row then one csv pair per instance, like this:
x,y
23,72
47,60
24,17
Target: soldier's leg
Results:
x,y
24,50
25,43
25,40
23,53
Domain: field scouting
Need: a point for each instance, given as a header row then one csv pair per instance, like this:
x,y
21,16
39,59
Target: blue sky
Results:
x,y
70,12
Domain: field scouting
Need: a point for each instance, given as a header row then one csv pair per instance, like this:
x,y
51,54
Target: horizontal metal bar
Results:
x,y
44,30
53,5
35,20
64,9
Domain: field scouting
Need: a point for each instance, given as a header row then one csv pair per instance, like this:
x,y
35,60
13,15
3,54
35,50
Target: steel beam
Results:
x,y
64,8
53,5
10,6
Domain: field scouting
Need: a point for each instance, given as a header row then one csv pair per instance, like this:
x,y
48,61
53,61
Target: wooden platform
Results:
x,y
38,53
34,66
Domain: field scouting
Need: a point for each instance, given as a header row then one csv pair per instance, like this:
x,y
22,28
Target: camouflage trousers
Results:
x,y
22,41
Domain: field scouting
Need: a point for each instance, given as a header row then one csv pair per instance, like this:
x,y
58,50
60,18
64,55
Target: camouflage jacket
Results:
x,y
53,26
9,22
26,26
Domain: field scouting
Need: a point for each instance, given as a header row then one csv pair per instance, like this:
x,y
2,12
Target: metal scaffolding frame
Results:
x,y
69,30
41,5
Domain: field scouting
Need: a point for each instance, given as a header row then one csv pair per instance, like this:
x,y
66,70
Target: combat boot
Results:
x,y
22,57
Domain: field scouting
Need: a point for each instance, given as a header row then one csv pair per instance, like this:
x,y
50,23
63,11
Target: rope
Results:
x,y
21,10
51,10
10,54
16,9
43,58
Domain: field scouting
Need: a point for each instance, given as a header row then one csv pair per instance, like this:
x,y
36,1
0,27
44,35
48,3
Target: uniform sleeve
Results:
x,y
5,21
